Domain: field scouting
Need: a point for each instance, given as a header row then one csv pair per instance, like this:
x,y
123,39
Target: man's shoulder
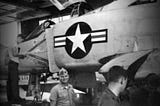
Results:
x,y
70,85
105,94
56,87
107,99
108,94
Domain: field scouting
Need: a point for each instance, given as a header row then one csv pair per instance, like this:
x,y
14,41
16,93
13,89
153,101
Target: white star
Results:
x,y
78,40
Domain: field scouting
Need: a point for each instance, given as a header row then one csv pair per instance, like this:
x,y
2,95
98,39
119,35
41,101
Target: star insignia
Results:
x,y
79,40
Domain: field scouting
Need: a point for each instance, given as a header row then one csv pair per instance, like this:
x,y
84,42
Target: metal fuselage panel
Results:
x,y
36,51
129,29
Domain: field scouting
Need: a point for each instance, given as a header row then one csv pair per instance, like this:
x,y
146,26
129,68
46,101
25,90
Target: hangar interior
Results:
x,y
24,16
27,17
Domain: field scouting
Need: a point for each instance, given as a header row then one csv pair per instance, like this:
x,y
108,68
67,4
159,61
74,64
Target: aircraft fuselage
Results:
x,y
84,41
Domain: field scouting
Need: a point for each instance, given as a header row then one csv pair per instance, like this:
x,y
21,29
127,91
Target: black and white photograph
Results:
x,y
80,52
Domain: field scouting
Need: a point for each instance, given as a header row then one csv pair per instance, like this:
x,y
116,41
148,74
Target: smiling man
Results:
x,y
62,94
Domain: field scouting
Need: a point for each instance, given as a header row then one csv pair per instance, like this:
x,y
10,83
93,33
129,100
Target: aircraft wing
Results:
x,y
124,60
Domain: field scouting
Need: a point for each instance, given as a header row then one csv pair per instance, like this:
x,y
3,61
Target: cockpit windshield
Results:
x,y
39,29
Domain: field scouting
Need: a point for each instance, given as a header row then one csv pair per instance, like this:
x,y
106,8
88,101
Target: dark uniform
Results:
x,y
109,99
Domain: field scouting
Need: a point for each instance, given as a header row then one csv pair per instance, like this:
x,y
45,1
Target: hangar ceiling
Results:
x,y
20,10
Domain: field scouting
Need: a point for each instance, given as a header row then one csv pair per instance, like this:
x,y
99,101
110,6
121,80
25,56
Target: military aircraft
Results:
x,y
124,32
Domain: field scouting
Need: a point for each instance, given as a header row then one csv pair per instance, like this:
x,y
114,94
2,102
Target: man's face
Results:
x,y
123,84
64,78
19,40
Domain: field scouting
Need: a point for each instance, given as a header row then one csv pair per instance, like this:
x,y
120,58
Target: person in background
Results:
x,y
12,82
153,88
117,81
62,94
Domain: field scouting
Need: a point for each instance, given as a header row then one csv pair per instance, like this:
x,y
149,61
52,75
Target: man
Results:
x,y
62,94
117,81
12,83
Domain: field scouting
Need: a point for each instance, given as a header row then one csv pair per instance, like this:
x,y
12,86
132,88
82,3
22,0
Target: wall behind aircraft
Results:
x,y
8,33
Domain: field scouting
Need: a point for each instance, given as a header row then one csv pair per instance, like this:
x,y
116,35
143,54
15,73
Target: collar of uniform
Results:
x,y
113,96
65,86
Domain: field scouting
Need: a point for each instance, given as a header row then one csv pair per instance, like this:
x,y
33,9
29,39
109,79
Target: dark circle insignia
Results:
x,y
78,40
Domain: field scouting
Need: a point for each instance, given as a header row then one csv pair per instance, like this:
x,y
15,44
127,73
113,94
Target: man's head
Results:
x,y
63,76
20,38
118,76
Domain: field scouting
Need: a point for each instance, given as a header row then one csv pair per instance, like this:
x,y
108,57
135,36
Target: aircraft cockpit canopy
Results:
x,y
39,29
62,4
